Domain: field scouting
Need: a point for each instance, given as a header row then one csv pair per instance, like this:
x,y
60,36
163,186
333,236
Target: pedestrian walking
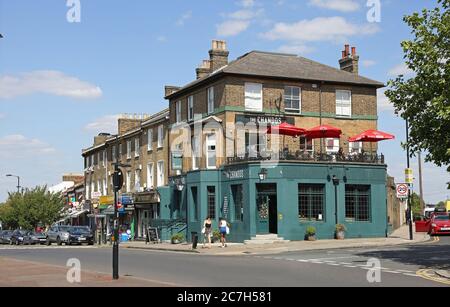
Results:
x,y
207,231
224,230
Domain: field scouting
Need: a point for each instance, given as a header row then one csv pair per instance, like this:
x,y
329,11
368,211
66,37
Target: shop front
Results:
x,y
147,206
287,197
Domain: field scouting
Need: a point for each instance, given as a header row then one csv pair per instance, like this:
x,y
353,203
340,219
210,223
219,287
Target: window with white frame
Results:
x,y
211,151
150,139
210,100
128,149
160,136
355,148
195,152
137,147
113,153
190,107
104,158
292,99
253,97
160,170
343,103
137,180
332,145
128,181
306,144
150,176
178,111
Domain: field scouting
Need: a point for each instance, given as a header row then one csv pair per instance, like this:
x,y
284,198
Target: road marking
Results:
x,y
412,275
393,272
429,274
350,266
405,271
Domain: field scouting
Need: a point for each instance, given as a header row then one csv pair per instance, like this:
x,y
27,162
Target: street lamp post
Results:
x,y
18,181
336,183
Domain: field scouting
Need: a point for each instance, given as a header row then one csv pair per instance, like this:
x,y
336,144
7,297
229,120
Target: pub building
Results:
x,y
230,167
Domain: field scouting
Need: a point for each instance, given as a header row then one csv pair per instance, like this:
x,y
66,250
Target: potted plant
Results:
x,y
215,236
177,238
340,231
310,233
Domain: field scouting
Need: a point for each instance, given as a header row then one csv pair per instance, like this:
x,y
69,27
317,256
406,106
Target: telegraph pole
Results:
x,y
409,190
422,201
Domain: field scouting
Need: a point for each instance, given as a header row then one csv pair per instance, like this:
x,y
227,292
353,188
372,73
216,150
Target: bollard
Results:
x,y
194,236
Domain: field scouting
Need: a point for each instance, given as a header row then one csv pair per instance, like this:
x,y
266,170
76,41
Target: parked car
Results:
x,y
18,237
58,234
80,235
5,236
34,237
440,224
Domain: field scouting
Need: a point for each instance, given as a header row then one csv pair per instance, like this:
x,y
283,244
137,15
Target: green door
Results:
x,y
262,214
266,208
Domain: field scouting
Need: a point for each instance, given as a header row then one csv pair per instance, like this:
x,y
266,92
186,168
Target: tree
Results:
x,y
31,208
424,100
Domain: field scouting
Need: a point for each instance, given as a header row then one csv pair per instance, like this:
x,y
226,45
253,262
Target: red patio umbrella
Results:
x,y
372,136
286,129
323,132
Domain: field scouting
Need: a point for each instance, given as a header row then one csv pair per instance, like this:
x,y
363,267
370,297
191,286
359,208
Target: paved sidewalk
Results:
x,y
18,273
399,237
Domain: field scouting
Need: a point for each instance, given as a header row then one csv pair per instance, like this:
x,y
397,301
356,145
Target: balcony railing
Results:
x,y
304,156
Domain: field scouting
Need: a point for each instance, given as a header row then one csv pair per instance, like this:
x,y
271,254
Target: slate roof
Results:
x,y
289,66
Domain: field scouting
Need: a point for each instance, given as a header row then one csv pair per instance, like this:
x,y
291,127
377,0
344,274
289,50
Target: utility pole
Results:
x,y
409,190
422,200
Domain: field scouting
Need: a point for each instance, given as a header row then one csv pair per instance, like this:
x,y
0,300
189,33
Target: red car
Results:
x,y
440,224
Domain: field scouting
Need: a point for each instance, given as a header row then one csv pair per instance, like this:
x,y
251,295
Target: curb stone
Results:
x,y
443,273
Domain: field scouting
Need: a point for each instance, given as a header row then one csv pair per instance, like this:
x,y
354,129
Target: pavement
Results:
x,y
398,237
24,273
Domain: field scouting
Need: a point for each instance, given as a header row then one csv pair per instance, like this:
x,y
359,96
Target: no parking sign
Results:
x,y
402,190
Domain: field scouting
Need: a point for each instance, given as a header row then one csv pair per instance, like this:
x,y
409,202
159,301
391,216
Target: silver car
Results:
x,y
58,234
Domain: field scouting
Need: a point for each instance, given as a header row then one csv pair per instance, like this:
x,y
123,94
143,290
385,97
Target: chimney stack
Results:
x,y
218,55
204,69
349,62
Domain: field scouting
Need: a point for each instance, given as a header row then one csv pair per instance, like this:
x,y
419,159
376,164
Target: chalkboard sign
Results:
x,y
152,235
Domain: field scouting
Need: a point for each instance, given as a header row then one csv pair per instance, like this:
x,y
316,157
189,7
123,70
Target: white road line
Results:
x,y
332,258
393,272
302,260
349,266
345,263
406,271
334,264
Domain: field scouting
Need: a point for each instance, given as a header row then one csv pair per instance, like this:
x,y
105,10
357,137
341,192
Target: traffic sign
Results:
x,y
409,178
402,190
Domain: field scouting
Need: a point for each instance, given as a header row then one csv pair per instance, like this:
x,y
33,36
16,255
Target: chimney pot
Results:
x,y
347,50
218,55
353,51
343,54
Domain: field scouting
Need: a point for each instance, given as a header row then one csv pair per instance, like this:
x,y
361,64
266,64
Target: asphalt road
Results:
x,y
410,265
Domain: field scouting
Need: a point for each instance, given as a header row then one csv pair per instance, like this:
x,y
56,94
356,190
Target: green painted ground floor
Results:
x,y
282,199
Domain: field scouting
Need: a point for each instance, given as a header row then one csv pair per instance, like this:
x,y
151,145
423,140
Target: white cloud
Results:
x,y
337,5
107,123
16,145
384,105
335,29
295,49
246,14
47,82
247,3
400,69
185,17
368,63
232,27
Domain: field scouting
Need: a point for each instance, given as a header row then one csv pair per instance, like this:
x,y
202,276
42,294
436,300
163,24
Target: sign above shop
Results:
x,y
106,200
234,174
269,120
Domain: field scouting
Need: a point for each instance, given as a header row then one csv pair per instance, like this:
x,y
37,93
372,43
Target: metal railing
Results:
x,y
287,155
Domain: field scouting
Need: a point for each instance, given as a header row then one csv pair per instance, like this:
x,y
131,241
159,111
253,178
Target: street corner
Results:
x,y
438,276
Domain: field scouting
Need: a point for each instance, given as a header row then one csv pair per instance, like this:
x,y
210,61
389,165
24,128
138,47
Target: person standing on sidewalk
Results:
x,y
207,231
224,230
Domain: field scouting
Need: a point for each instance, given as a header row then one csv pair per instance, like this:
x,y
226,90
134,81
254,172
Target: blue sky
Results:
x,y
61,83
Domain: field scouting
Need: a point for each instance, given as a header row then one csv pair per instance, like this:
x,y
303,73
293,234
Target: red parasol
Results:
x,y
372,136
286,129
323,132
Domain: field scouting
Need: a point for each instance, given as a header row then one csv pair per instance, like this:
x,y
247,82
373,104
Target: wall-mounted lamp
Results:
x,y
263,174
335,180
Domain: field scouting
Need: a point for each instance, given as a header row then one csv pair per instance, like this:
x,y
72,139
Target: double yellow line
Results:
x,y
430,275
